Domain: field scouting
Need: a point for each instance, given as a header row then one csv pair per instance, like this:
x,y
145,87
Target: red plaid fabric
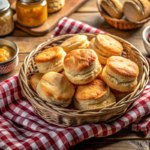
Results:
x,y
22,129
70,26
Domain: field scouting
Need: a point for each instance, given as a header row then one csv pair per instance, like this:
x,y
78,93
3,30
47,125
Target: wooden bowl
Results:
x,y
120,23
71,117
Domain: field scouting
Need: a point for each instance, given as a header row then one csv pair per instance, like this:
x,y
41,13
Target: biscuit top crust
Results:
x,y
79,60
35,79
123,66
75,40
49,54
93,90
56,85
108,44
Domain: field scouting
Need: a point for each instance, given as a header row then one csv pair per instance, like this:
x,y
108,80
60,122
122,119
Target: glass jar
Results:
x,y
6,18
31,13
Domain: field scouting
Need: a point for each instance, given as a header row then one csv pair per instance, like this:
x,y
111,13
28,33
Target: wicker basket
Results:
x,y
70,117
120,23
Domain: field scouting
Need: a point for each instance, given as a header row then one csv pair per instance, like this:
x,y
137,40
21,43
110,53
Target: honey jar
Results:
x,y
6,18
31,13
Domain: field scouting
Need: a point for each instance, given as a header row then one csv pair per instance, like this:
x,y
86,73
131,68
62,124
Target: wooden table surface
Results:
x,y
88,13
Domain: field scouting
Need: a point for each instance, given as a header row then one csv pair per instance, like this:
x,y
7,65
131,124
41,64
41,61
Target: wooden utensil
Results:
x,y
53,19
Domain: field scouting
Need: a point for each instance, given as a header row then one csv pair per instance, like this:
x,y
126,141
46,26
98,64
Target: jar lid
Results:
x,y
29,1
4,5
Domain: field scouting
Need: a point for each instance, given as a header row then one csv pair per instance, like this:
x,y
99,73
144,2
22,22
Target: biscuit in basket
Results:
x,y
75,42
63,72
35,79
136,10
81,66
105,46
93,95
99,76
119,95
56,89
50,59
102,57
113,8
120,74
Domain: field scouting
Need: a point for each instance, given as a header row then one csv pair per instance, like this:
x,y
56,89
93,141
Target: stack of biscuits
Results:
x,y
105,46
84,71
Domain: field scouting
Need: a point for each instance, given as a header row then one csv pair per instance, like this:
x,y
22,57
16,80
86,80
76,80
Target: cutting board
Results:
x,y
53,19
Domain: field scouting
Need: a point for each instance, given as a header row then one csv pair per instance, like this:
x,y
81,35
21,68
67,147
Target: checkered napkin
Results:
x,y
22,129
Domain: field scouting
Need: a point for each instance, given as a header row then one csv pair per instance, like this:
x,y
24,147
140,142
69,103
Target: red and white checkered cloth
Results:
x,y
22,129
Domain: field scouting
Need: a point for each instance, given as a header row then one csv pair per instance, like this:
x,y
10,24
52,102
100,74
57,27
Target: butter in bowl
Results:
x,y
8,56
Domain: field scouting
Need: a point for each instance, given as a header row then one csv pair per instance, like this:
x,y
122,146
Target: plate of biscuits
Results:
x,y
76,79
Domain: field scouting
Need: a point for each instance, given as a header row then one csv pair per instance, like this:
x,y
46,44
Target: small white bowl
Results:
x,y
145,34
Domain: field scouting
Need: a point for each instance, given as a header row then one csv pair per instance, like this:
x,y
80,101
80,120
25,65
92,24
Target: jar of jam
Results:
x,y
31,13
6,18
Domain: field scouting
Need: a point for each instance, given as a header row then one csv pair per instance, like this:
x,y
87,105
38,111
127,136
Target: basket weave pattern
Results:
x,y
70,117
120,23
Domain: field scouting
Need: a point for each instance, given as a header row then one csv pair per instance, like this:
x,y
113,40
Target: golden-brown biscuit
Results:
x,y
50,59
75,42
35,79
113,8
120,74
56,89
119,95
55,5
95,94
99,76
63,72
102,57
96,49
81,66
108,45
136,10
105,46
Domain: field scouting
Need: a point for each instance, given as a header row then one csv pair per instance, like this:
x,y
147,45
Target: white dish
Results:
x,y
145,34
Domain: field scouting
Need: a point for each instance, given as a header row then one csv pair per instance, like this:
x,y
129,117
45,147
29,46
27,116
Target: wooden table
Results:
x,y
88,13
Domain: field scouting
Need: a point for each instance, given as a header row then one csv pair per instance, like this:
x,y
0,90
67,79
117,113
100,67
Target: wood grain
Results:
x,y
88,6
123,140
102,144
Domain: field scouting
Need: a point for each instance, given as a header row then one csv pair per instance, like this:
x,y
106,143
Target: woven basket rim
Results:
x,y
64,111
105,15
